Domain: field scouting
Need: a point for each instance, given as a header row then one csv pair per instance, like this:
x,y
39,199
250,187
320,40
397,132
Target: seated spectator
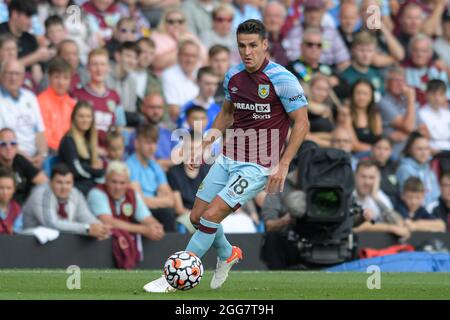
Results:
x,y
68,50
416,163
117,205
244,10
179,85
207,83
102,16
382,156
398,109
55,103
121,79
55,31
115,146
59,205
149,179
274,15
11,218
441,207
435,115
421,68
416,217
198,15
320,111
441,44
25,173
363,51
220,61
132,9
379,215
124,31
20,112
365,120
106,102
146,80
410,20
8,48
79,148
348,18
341,139
221,31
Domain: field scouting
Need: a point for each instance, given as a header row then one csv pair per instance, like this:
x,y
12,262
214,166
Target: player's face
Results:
x,y
6,190
60,82
8,146
116,185
252,50
62,185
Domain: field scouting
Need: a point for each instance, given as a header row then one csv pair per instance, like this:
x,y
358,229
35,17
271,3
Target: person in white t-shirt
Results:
x,y
436,116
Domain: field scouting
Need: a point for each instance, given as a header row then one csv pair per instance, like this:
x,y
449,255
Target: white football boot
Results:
x,y
223,267
159,285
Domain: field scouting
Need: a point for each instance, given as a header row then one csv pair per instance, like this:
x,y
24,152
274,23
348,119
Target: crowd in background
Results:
x,y
91,91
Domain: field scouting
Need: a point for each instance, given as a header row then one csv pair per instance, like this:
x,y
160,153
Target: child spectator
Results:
x,y
79,148
11,218
441,208
196,119
417,218
56,104
207,82
55,31
115,146
436,116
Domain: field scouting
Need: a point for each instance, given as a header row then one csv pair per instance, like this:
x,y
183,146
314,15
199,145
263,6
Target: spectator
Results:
x,y
11,218
124,31
207,82
154,10
146,80
115,146
416,163
219,60
179,83
221,31
106,102
442,44
398,109
363,52
68,50
198,14
121,79
244,10
378,214
341,139
19,110
25,173
102,16
117,205
131,8
79,148
435,115
441,207
8,48
274,15
335,52
55,31
410,20
365,118
59,205
196,119
348,18
382,156
421,68
417,218
56,104
20,13
149,179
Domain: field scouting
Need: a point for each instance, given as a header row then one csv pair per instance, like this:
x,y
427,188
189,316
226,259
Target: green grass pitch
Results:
x,y
251,285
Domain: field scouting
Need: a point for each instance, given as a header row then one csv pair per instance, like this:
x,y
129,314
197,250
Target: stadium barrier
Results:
x,y
20,251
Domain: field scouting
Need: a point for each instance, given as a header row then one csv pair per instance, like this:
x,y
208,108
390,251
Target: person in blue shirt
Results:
x,y
149,179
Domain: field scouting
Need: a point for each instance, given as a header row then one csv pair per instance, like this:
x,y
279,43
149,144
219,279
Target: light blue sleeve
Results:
x,y
403,173
98,202
160,175
230,73
287,87
18,223
142,211
121,120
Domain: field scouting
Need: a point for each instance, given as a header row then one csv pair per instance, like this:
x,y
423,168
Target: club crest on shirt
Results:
x,y
127,209
263,90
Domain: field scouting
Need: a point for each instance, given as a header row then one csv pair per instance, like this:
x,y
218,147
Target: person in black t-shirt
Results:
x,y
26,174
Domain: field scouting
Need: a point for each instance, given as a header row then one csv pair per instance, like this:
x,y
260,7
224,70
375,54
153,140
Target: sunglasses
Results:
x,y
124,30
175,21
4,144
313,44
222,19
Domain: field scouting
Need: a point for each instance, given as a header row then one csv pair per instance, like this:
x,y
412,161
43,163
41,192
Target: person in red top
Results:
x,y
10,210
102,16
55,103
106,102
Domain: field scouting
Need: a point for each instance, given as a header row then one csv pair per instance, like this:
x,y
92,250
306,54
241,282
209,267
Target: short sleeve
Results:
x,y
142,211
160,175
98,202
288,89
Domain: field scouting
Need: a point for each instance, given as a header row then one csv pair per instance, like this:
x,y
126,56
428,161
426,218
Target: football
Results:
x,y
183,270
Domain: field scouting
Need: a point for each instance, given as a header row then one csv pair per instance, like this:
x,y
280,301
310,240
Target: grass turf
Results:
x,y
114,284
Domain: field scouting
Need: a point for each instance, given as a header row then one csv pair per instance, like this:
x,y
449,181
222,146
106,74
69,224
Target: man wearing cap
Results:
x,y
334,50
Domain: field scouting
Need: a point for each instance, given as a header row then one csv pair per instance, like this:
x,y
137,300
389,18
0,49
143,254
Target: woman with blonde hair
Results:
x,y
171,31
79,148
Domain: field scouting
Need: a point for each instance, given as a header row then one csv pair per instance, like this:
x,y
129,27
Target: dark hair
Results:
x,y
7,129
23,6
147,41
194,108
371,108
216,49
59,65
53,21
436,85
413,184
252,26
148,131
60,168
205,71
445,174
8,173
129,45
366,163
409,143
113,134
63,43
383,138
